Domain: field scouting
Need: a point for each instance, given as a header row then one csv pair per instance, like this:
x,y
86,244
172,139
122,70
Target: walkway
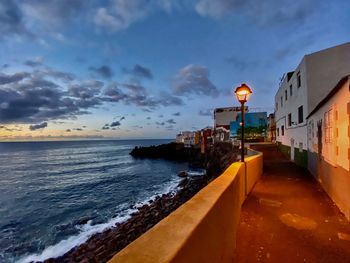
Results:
x,y
289,218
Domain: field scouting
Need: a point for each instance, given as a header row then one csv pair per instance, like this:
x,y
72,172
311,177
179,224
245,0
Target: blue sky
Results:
x,y
148,68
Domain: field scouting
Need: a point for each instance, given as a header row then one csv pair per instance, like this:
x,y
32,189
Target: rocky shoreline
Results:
x,y
103,246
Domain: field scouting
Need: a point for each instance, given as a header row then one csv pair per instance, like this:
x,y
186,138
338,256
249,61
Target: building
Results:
x,y
206,138
186,137
255,124
271,128
224,116
221,134
328,134
301,91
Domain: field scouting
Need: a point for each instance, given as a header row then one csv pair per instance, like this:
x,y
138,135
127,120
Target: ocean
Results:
x,y
55,195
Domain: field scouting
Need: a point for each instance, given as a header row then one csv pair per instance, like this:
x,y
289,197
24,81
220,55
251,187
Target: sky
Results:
x,y
127,69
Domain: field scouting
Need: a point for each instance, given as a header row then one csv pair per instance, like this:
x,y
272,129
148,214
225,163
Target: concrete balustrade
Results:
x,y
204,228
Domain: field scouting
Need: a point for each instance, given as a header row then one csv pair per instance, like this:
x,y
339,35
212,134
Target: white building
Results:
x,y
329,144
300,92
224,116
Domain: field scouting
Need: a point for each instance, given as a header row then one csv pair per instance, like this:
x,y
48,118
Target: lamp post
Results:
x,y
243,93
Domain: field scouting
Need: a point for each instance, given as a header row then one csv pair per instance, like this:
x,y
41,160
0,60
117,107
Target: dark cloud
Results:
x,y
103,71
139,72
105,127
17,77
47,94
137,95
34,62
11,20
148,118
177,114
194,80
68,130
5,65
115,124
207,112
28,98
34,127
160,123
171,121
77,129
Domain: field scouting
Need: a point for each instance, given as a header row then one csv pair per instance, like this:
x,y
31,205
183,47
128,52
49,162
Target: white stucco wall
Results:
x,y
334,152
297,131
324,69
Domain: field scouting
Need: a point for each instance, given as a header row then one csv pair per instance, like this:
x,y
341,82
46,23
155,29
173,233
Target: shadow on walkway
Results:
x,y
289,218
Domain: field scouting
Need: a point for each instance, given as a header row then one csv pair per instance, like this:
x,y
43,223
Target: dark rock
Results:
x,y
182,174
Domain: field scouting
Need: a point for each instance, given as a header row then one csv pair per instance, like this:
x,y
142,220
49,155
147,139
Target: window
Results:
x,y
299,79
281,102
328,125
282,130
290,119
300,114
278,131
286,94
291,90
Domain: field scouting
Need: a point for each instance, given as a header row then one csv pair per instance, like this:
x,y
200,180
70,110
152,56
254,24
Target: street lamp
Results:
x,y
243,93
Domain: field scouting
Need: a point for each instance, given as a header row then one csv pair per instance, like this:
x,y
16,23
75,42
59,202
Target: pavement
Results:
x,y
288,217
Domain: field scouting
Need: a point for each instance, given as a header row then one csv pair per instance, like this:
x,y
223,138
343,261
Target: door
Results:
x,y
292,149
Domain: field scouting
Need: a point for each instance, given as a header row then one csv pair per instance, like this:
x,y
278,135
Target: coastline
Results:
x,y
101,247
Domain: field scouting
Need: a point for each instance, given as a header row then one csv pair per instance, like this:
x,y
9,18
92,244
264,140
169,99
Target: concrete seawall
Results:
x,y
204,228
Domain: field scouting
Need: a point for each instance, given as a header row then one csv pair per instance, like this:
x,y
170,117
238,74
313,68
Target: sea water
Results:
x,y
55,195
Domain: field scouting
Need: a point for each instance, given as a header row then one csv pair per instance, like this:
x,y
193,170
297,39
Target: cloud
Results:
x,y
137,95
51,14
47,94
29,97
104,71
2,127
34,127
16,77
77,129
160,123
68,130
171,121
34,62
177,114
115,124
207,112
11,20
139,72
194,79
268,12
120,14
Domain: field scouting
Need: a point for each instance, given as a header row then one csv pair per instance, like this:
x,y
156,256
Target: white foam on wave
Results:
x,y
64,246
88,230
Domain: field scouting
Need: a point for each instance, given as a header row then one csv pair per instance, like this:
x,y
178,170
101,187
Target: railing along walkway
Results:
x,y
289,218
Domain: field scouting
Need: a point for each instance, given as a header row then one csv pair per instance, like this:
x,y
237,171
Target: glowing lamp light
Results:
x,y
243,93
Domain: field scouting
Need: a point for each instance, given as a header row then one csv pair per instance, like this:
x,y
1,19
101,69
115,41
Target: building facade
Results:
x,y
224,116
300,92
329,144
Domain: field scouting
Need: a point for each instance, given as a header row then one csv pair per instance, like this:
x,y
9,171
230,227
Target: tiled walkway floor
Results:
x,y
289,218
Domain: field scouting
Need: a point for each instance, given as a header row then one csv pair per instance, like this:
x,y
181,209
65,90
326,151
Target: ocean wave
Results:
x,y
88,230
